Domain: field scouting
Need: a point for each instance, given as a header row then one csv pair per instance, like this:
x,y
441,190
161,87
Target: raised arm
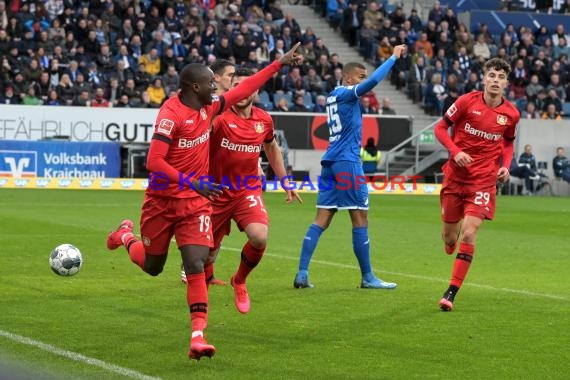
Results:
x,y
380,73
254,82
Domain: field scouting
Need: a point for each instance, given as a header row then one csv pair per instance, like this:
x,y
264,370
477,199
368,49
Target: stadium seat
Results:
x,y
308,100
264,99
566,109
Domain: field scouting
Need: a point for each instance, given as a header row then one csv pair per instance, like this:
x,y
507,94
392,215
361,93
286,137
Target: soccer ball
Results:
x,y
65,260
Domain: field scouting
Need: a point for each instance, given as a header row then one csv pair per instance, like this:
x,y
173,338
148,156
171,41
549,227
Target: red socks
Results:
x,y
197,297
250,257
462,263
136,251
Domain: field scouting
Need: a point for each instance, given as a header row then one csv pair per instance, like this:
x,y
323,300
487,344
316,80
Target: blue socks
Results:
x,y
361,246
309,244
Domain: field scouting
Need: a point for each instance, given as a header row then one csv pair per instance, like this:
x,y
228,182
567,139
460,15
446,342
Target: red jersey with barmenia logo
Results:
x,y
188,133
478,130
235,148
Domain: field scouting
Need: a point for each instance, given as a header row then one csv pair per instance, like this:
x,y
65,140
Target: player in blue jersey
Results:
x,y
343,185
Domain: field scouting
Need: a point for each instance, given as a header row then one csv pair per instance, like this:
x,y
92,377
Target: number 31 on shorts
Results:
x,y
482,198
255,201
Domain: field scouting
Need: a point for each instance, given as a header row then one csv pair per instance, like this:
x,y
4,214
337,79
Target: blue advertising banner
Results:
x,y
54,159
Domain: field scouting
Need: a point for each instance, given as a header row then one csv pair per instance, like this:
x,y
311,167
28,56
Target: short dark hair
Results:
x,y
497,64
219,65
351,66
243,72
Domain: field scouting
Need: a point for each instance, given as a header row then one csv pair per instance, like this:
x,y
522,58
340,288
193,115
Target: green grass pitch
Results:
x,y
511,318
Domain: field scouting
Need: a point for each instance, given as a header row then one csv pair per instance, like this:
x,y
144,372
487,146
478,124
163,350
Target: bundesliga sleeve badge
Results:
x,y
165,126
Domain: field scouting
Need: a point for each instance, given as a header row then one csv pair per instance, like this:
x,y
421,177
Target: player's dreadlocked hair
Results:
x,y
497,64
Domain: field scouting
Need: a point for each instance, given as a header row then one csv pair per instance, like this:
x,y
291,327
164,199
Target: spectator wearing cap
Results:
x,y
415,20
19,83
8,97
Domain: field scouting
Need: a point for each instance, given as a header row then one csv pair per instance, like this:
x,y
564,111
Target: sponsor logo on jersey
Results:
x,y
486,135
240,147
501,119
476,112
189,121
165,126
259,127
232,125
451,110
203,113
186,143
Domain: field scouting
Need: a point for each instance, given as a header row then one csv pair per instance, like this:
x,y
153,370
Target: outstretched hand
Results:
x,y
292,195
398,50
291,57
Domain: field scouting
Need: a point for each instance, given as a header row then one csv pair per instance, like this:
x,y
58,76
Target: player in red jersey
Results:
x,y
237,138
223,73
177,201
480,152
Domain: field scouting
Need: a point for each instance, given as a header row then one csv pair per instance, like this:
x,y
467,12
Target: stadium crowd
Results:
x,y
444,58
125,53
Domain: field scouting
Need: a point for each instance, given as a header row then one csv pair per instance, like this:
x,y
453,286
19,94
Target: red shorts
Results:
x,y
245,209
187,219
458,200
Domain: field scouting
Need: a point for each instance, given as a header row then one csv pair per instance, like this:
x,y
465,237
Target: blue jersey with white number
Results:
x,y
344,119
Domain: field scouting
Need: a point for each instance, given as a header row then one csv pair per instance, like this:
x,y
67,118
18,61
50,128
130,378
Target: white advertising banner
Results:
x,y
31,123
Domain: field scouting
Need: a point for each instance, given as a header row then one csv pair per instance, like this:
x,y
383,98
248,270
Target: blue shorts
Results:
x,y
342,185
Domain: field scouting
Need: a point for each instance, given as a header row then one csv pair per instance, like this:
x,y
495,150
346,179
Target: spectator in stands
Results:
x,y
335,12
365,107
321,49
387,107
320,104
352,22
335,80
424,44
417,80
373,15
519,79
298,104
124,102
274,85
481,50
561,165
370,156
65,90
415,20
282,105
530,111
435,96
294,82
436,13
533,88
156,92
8,97
551,113
99,99
559,33
384,51
53,99
553,98
151,62
313,83
528,159
324,68
263,53
308,53
555,81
